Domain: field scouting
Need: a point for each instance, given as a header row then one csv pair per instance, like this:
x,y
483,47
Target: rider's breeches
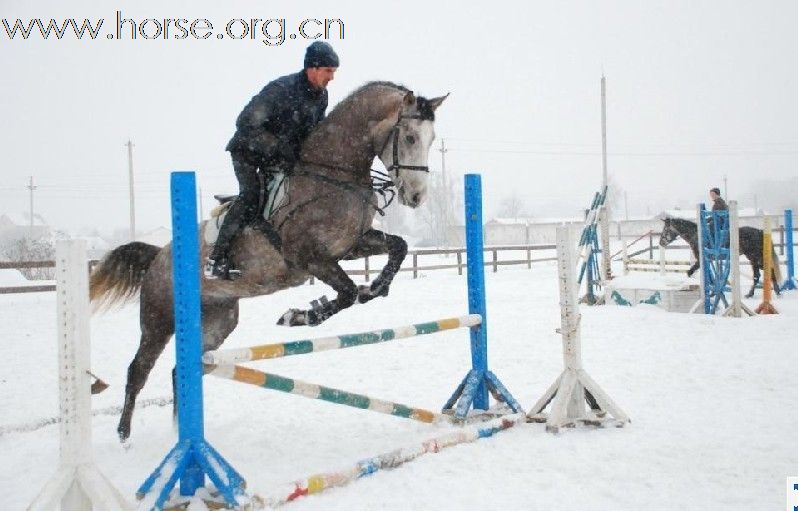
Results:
x,y
242,211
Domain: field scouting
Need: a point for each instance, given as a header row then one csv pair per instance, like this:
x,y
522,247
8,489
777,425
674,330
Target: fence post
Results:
x,y
459,263
366,263
415,265
529,258
781,239
495,261
625,256
651,246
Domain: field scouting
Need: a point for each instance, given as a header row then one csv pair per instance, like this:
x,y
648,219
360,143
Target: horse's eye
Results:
x,y
410,139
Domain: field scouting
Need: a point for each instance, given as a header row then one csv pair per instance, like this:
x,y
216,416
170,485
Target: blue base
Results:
x,y
474,384
790,284
192,460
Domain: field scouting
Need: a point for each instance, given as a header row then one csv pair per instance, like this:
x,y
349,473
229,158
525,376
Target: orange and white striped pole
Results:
x,y
767,272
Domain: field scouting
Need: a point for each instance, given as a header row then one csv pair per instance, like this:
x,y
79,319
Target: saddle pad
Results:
x,y
276,198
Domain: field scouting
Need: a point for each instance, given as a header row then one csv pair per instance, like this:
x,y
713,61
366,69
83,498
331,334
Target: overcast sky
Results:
x,y
696,90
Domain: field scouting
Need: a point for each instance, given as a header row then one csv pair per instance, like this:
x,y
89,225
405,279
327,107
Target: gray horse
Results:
x,y
328,216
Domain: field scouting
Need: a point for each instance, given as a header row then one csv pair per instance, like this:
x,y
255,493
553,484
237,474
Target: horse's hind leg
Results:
x,y
154,338
776,288
334,276
376,242
755,267
219,319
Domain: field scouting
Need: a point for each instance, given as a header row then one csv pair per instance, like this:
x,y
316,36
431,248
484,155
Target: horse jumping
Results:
x,y
328,216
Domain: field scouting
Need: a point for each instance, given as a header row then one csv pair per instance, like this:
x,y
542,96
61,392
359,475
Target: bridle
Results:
x,y
394,134
381,182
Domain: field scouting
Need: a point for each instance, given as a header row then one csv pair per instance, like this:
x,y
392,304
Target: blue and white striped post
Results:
x,y
475,386
193,456
790,283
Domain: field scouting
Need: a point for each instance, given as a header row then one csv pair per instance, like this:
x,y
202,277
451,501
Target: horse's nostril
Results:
x,y
416,198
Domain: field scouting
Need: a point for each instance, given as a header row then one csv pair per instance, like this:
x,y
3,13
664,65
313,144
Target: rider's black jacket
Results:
x,y
274,124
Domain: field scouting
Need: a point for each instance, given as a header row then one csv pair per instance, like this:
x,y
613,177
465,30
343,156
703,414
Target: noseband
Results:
x,y
394,134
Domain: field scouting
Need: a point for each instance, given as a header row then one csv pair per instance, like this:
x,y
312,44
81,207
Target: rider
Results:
x,y
718,204
269,134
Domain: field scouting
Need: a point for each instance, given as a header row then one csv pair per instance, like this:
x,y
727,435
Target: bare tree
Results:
x,y
438,211
27,249
512,206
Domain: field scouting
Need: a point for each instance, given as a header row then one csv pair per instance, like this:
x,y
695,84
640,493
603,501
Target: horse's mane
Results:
x,y
683,222
424,109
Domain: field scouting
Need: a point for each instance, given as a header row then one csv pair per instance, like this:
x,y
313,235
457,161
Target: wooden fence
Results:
x,y
412,262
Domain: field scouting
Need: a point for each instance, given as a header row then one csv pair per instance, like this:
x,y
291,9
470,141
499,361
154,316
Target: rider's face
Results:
x,y
319,77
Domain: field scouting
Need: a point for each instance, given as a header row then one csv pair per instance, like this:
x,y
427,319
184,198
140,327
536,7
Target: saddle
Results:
x,y
273,196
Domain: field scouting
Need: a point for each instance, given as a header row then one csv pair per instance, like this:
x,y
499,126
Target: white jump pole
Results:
x,y
737,306
78,485
567,393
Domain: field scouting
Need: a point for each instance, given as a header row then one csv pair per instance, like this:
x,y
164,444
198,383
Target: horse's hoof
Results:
x,y
124,434
366,293
293,317
298,317
749,295
363,294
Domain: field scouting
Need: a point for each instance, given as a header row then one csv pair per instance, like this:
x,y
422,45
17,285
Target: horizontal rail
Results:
x,y
654,262
15,265
27,289
322,393
265,351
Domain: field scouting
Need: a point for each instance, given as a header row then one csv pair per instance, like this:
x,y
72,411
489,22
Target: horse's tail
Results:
x,y
119,275
776,267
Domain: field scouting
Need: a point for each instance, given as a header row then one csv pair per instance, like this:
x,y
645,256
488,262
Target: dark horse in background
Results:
x,y
328,218
750,246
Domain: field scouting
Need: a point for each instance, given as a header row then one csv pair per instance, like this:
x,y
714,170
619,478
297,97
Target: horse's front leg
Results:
x,y
334,276
375,242
693,268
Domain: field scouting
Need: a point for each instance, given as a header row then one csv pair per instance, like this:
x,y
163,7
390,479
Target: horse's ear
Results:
x,y
409,99
434,103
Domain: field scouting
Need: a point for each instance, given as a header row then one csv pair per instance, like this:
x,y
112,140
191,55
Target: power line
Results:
x,y
627,154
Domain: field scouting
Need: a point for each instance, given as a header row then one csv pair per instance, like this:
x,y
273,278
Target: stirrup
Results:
x,y
220,269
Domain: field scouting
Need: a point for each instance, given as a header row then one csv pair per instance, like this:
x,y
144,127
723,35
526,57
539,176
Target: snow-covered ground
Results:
x,y
710,401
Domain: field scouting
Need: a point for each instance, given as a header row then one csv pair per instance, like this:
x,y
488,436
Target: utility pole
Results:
x,y
445,198
726,186
132,193
31,188
605,218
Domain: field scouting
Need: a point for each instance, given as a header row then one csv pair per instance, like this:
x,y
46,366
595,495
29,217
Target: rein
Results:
x,y
381,182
